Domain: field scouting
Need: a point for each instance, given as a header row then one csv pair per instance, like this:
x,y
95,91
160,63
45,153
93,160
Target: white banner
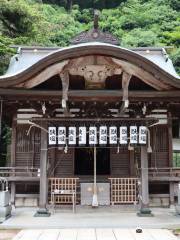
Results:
x,y
82,135
142,135
72,136
52,135
123,135
92,135
133,135
61,135
103,135
113,135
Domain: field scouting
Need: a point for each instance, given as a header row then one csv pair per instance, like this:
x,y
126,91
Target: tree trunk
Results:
x,y
69,5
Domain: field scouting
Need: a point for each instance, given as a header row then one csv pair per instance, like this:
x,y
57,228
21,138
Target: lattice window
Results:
x,y
67,184
123,190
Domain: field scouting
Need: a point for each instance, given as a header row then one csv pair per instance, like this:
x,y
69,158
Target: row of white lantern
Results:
x,y
58,135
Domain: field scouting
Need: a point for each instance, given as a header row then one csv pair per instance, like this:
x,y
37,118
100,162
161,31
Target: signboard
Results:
x,y
113,135
61,135
133,135
103,135
52,135
142,135
123,135
82,135
92,135
72,136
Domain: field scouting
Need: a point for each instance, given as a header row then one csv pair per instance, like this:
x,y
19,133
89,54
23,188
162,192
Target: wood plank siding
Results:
x,y
160,146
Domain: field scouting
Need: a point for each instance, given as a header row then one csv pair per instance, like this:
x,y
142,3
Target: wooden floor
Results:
x,y
95,234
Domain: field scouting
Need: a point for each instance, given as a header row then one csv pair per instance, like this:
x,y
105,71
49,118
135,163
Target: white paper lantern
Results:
x,y
142,135
72,136
52,135
92,135
61,135
113,135
123,135
82,135
133,135
103,135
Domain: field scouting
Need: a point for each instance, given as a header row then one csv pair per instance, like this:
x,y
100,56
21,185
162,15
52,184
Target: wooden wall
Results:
x,y
119,162
27,147
160,146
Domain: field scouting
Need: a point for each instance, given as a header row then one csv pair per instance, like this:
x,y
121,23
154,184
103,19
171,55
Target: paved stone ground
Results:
x,y
8,234
95,234
86,217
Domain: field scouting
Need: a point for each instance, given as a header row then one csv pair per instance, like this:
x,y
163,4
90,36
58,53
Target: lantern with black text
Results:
x,y
72,136
82,135
123,135
61,135
113,135
142,135
103,135
133,135
52,135
92,135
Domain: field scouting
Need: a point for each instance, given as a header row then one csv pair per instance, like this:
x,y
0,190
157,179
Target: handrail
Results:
x,y
164,171
19,171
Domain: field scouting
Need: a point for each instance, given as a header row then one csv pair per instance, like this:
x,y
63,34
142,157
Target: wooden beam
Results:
x,y
83,95
145,76
43,76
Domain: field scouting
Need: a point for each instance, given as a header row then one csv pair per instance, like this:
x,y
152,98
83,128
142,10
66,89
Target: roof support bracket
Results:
x,y
64,75
125,85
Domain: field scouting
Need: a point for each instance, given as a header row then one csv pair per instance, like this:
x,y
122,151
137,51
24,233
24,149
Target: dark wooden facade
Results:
x,y
130,89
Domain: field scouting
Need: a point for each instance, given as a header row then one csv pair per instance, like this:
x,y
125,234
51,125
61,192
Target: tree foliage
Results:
x,y
51,23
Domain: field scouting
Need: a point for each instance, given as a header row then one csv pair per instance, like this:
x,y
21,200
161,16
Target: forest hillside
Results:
x,y
136,23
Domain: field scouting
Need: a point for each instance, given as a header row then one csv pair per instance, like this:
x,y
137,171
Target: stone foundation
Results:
x,y
159,200
26,202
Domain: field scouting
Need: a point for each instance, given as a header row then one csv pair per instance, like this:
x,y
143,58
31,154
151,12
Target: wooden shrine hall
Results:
x,y
95,120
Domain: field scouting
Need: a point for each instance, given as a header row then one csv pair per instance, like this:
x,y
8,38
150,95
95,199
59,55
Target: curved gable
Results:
x,y
127,59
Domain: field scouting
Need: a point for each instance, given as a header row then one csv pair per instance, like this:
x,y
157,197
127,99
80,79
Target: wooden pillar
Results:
x,y
42,211
13,159
131,164
144,210
171,193
170,137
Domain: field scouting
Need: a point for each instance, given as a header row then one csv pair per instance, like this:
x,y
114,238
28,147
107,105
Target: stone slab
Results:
x,y
95,234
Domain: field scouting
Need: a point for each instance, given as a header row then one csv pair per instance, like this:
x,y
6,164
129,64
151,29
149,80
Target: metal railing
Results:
x,y
19,171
